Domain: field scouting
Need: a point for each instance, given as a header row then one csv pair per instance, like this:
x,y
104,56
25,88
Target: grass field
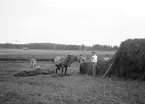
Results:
x,y
47,54
71,89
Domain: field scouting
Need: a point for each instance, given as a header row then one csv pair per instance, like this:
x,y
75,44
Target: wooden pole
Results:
x,y
108,70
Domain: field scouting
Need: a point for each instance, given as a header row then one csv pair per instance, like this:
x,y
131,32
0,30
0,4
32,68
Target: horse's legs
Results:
x,y
65,69
62,70
57,68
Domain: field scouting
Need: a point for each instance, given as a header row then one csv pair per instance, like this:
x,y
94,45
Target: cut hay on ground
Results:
x,y
33,72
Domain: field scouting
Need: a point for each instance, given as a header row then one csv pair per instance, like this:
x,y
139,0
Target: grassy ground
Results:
x,y
71,89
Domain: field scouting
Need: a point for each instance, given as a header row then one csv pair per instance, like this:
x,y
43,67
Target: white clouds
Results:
x,y
72,21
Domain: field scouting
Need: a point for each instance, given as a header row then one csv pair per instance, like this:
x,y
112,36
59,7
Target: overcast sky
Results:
x,y
71,21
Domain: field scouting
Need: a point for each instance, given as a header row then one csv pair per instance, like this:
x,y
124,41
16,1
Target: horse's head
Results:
x,y
72,58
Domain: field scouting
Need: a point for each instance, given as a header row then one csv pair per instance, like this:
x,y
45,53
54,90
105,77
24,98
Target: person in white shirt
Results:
x,y
94,60
106,58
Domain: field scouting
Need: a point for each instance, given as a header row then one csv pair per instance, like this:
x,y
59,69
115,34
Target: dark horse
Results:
x,y
63,62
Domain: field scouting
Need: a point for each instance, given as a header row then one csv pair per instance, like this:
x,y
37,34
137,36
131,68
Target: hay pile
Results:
x,y
102,66
33,72
84,67
129,60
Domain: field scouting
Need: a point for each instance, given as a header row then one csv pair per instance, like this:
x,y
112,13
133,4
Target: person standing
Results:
x,y
94,63
82,58
106,58
33,63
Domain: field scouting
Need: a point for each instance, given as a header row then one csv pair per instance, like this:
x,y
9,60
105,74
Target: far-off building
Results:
x,y
25,48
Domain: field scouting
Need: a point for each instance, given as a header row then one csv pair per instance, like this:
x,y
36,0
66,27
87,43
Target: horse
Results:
x,y
63,62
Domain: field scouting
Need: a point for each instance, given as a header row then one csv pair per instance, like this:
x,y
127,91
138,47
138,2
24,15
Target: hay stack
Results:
x,y
84,67
102,67
129,60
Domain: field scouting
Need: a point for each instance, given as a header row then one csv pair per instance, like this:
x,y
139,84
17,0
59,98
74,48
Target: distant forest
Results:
x,y
51,46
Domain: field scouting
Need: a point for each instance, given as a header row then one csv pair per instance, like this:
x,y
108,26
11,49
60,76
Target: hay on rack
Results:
x,y
101,67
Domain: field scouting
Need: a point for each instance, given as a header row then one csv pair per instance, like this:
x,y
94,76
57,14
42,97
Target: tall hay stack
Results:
x,y
129,60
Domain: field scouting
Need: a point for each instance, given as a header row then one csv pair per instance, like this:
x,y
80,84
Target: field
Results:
x,y
71,89
45,54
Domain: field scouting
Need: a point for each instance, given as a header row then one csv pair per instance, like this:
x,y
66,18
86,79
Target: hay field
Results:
x,y
45,54
71,89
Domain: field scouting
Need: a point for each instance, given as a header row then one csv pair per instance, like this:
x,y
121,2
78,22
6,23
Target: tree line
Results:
x,y
52,46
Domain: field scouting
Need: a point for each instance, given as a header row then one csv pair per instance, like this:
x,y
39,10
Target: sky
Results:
x,y
88,22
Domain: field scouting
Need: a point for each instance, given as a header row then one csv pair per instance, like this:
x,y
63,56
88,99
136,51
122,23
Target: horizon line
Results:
x,y
55,43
